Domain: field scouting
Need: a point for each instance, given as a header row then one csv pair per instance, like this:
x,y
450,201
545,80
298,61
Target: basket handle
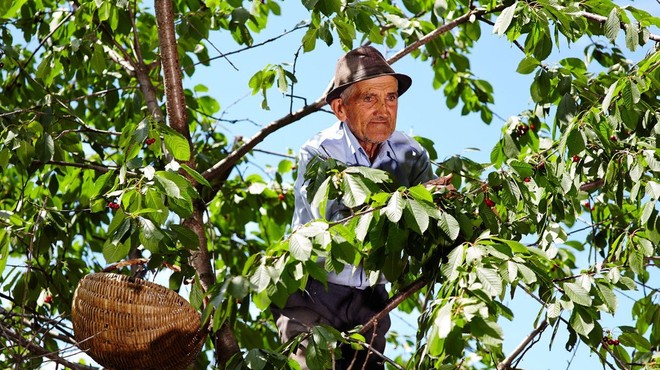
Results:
x,y
137,261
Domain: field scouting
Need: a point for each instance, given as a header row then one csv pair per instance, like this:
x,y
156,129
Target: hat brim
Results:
x,y
404,84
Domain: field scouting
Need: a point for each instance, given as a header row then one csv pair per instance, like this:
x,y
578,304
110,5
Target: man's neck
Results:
x,y
371,149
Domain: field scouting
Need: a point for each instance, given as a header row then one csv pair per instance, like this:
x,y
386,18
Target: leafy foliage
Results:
x,y
93,173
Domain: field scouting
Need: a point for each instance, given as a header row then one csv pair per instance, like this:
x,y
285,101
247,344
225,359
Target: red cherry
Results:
x,y
280,196
489,202
527,179
150,141
532,127
587,205
113,205
48,299
615,342
576,158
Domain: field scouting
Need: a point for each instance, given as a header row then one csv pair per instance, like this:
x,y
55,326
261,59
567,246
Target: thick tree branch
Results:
x,y
177,115
225,342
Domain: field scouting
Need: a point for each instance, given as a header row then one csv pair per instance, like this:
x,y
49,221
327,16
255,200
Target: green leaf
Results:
x,y
317,356
577,294
554,309
523,169
394,208
300,247
612,25
631,338
490,280
355,190
170,187
177,145
418,214
114,249
608,97
186,236
428,145
608,296
632,37
442,324
566,110
150,234
449,225
260,279
46,148
4,252
420,193
197,294
653,190
363,226
636,260
320,199
581,323
527,65
454,261
504,19
373,174
196,175
528,274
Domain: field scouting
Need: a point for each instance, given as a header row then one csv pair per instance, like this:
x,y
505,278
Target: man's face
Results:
x,y
370,111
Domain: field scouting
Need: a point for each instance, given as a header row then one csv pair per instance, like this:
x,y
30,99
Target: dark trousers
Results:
x,y
341,307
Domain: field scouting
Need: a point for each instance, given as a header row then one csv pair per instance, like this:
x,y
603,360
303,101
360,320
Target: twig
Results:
x,y
515,42
273,153
506,363
87,166
624,26
41,43
225,55
36,349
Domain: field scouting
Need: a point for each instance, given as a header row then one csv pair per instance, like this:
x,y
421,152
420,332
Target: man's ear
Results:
x,y
339,108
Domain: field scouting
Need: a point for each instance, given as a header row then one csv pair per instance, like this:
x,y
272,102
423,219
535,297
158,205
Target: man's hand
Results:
x,y
441,182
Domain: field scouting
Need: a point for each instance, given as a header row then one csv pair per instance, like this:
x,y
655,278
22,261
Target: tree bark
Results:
x,y
226,345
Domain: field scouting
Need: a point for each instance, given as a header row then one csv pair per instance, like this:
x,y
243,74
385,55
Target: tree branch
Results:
x,y
225,342
177,114
624,26
219,172
38,350
395,301
506,363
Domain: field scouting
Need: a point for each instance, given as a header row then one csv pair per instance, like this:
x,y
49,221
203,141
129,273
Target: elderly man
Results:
x,y
365,98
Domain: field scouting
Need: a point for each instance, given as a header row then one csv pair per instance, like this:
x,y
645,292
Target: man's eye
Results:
x,y
368,98
391,97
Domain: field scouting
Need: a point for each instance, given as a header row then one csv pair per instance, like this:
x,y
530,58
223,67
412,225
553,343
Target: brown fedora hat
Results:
x,y
362,64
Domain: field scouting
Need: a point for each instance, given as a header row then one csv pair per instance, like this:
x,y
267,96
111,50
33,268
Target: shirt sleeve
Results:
x,y
302,212
422,171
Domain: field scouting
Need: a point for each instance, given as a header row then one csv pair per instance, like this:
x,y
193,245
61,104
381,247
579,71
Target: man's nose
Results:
x,y
381,106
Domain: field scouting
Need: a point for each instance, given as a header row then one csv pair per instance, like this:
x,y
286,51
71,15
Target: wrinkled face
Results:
x,y
369,109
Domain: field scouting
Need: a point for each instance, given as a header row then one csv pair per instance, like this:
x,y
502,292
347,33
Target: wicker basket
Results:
x,y
130,323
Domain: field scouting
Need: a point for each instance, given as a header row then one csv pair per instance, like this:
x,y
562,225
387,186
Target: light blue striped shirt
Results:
x,y
400,155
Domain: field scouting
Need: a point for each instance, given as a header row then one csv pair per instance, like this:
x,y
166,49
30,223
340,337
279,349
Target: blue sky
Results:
x,y
422,111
